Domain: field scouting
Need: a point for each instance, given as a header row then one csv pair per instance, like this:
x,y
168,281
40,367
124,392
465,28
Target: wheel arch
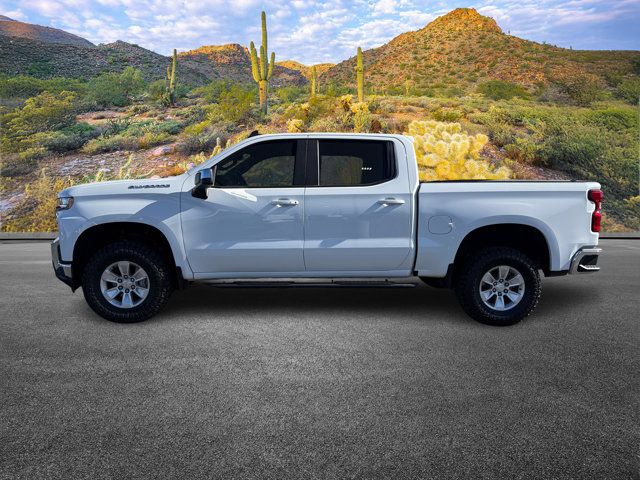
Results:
x,y
102,234
529,239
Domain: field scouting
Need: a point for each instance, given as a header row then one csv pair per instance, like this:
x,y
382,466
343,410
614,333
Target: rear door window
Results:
x,y
348,163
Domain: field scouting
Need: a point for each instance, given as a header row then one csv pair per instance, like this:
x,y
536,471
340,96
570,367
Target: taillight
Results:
x,y
596,196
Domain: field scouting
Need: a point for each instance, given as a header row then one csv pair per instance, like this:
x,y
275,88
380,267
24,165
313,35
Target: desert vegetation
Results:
x,y
57,131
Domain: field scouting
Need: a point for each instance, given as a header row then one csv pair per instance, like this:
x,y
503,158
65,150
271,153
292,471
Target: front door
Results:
x,y
358,210
252,222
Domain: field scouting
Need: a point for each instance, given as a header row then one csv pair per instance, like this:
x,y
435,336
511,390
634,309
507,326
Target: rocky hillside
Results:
x,y
304,69
41,59
13,28
463,48
50,56
232,62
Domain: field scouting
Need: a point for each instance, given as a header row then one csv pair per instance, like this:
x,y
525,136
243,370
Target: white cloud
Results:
x,y
314,31
384,7
416,18
47,8
15,14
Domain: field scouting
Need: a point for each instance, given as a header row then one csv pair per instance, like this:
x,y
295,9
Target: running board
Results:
x,y
313,283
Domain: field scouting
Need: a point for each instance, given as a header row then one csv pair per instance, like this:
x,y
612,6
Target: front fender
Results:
x,y
161,211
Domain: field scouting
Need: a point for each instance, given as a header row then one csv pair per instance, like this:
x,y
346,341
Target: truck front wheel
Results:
x,y
498,286
126,282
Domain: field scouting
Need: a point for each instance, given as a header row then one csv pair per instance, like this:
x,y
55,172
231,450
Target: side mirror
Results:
x,y
203,181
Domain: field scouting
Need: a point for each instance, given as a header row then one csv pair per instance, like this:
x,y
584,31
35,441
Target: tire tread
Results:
x,y
154,264
476,265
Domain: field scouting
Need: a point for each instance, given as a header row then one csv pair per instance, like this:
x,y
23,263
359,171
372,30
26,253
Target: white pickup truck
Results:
x,y
327,207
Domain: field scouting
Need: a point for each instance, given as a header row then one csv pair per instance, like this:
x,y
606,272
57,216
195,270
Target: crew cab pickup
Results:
x,y
327,207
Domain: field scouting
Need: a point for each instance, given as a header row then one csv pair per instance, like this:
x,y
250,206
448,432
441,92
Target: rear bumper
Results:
x,y
585,260
62,270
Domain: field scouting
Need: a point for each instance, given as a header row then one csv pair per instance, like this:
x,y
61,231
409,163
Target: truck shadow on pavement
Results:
x,y
421,301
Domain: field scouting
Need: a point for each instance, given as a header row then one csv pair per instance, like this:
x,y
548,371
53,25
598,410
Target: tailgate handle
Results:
x,y
391,201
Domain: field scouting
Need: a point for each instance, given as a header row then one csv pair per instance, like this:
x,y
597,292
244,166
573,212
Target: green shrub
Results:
x,y
40,69
110,144
198,143
212,91
123,134
325,124
582,90
12,165
291,93
446,114
152,138
500,90
115,89
115,126
574,148
70,138
190,115
32,153
614,118
156,91
523,150
234,105
42,113
24,86
629,90
36,211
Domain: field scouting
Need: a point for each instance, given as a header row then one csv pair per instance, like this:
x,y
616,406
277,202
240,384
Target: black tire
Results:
x,y
160,284
468,285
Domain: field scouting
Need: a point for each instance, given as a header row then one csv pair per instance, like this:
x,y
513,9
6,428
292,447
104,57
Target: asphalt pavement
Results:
x,y
320,382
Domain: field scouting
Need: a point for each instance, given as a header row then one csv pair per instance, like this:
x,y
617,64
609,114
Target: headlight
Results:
x,y
64,203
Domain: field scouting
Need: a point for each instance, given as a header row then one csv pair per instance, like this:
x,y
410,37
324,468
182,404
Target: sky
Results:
x,y
330,31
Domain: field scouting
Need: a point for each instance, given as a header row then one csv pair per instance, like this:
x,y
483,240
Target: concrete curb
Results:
x,y
15,236
48,236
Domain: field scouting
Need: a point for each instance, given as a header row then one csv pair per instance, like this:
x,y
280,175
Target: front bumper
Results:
x,y
62,270
585,260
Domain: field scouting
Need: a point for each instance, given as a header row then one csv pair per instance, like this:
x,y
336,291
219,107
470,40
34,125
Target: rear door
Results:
x,y
358,212
251,224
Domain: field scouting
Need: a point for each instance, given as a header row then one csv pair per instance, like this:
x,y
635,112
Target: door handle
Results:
x,y
391,201
284,202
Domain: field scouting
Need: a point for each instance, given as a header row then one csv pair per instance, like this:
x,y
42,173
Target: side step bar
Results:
x,y
313,283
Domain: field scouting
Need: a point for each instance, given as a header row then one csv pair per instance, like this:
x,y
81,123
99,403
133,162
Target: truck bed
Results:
x,y
450,210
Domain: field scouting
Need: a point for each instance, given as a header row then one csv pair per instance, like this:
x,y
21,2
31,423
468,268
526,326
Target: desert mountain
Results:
x,y
304,69
13,28
41,59
45,51
232,62
48,52
463,47
458,49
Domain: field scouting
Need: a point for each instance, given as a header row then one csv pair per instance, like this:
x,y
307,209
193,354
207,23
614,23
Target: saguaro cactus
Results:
x,y
261,68
360,75
172,79
314,78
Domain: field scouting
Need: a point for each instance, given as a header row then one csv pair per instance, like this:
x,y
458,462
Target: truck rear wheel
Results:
x,y
126,282
498,286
